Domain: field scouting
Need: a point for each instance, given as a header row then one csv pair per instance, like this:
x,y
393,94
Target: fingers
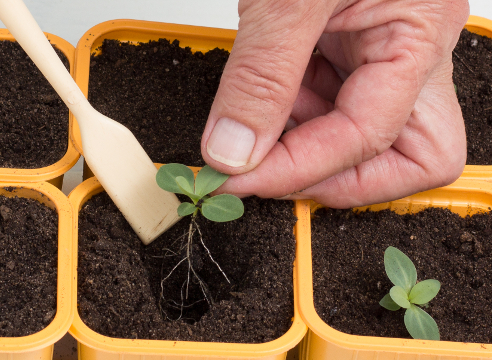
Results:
x,y
436,158
437,22
322,78
261,80
376,135
307,106
318,92
430,151
390,176
448,16
363,125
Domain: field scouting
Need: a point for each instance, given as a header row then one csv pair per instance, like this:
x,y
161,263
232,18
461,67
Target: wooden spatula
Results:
x,y
112,152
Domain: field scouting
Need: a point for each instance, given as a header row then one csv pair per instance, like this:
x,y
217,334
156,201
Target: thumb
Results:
x,y
261,80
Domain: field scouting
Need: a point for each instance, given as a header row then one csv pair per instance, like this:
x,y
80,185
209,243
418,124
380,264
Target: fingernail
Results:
x,y
285,197
293,196
231,142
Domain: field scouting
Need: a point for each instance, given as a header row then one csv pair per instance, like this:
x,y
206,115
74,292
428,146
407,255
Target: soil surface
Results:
x,y
33,119
28,263
119,282
164,100
350,280
472,75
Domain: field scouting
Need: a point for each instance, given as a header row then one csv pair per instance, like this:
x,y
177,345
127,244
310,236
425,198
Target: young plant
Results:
x,y
407,293
180,179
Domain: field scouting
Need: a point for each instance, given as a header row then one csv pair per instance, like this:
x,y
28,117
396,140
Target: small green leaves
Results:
x,y
424,291
186,189
208,180
222,208
400,268
399,296
180,179
167,174
186,208
407,293
388,303
420,325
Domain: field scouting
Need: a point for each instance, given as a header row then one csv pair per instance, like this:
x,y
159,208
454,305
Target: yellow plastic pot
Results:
x,y
135,31
480,26
92,346
52,173
464,197
40,345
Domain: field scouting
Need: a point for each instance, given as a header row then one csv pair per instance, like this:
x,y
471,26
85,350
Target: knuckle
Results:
x,y
275,7
254,85
449,170
373,142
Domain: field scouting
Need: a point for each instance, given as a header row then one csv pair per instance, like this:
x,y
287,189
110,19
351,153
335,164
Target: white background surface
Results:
x,y
481,8
70,19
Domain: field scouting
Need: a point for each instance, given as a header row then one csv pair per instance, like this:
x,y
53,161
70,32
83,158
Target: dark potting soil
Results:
x,y
28,263
119,279
33,118
350,280
472,75
160,91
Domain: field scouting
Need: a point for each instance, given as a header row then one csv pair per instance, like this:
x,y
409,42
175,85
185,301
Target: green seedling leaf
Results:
x,y
208,180
420,325
167,174
406,293
186,208
221,208
400,296
400,269
388,303
185,188
424,291
184,185
179,179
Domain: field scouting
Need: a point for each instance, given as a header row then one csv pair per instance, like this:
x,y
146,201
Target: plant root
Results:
x,y
192,275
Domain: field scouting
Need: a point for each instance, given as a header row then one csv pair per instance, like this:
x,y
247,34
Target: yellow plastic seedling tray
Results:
x,y
480,26
464,197
40,345
52,173
92,346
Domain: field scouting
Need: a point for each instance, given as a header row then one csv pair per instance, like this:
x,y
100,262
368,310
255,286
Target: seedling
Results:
x,y
180,179
407,293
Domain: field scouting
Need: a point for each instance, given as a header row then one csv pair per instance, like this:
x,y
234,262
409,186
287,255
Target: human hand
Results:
x,y
373,116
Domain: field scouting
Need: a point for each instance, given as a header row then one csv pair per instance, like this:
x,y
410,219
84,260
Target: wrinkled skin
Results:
x,y
373,113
